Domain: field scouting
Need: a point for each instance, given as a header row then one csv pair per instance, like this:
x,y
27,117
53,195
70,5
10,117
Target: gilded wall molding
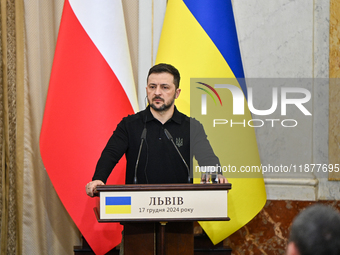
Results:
x,y
334,87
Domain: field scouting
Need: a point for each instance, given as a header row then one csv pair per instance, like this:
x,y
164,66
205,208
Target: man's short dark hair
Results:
x,y
316,230
166,68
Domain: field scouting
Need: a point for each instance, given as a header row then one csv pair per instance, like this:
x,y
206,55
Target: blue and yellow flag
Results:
x,y
118,205
199,38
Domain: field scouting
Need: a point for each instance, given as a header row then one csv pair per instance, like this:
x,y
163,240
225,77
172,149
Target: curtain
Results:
x,y
46,225
32,218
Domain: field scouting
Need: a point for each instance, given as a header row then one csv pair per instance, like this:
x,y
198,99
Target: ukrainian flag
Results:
x,y
199,38
118,205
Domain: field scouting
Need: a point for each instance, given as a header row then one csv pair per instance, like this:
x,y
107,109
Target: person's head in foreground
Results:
x,y
315,231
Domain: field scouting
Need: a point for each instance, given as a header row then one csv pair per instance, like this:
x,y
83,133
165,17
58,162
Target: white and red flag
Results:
x,y
91,89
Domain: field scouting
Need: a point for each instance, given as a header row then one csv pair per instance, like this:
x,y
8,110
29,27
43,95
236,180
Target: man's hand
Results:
x,y
91,187
207,178
222,179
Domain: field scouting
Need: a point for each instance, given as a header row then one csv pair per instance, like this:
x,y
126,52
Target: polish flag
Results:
x,y
91,89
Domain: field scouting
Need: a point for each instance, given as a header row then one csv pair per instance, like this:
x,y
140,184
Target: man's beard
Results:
x,y
163,107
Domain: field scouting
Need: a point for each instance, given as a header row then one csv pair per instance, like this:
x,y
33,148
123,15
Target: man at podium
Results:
x,y
159,142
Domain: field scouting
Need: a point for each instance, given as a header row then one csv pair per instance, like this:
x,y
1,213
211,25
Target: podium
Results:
x,y
158,218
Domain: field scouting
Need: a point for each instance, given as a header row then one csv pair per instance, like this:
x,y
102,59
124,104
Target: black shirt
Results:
x,y
159,161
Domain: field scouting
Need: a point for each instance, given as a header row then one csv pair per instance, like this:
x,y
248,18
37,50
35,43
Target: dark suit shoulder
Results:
x,y
130,119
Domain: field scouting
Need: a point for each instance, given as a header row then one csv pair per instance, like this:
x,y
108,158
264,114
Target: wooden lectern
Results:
x,y
158,218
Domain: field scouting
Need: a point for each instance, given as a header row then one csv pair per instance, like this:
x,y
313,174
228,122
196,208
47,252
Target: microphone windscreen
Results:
x,y
167,133
143,136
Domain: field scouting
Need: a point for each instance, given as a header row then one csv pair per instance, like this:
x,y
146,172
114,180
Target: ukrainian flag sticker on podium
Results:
x,y
118,205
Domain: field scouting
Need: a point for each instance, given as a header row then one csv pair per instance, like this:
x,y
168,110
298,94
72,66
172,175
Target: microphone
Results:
x,y
169,136
143,137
